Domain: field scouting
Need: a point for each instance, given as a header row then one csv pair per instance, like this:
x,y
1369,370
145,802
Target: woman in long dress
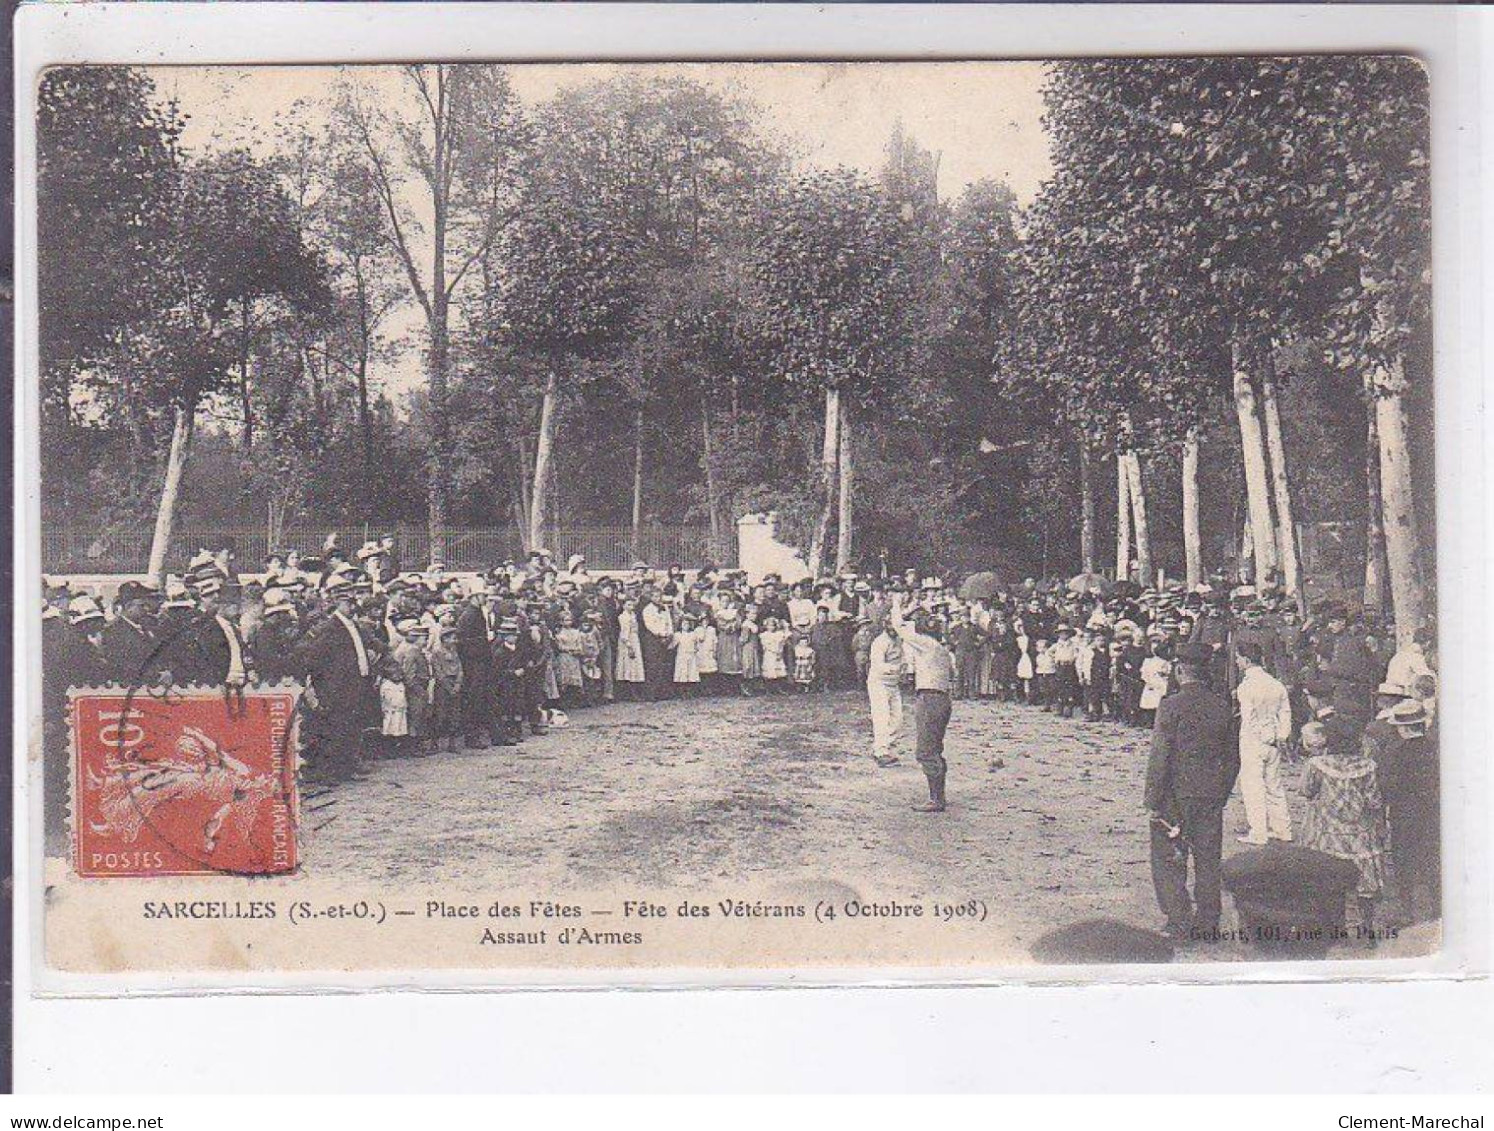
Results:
x,y
1345,809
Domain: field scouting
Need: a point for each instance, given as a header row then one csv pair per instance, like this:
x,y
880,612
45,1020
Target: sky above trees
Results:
x,y
983,120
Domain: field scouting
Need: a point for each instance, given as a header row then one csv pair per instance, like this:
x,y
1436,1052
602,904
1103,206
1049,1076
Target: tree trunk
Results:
x,y
176,465
1192,542
1086,509
1375,567
708,462
846,523
244,398
539,497
1402,535
439,459
1253,456
828,465
523,478
1122,519
1281,484
1136,488
365,418
638,485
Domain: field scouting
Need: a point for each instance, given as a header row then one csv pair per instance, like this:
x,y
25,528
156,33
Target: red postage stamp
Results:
x,y
187,783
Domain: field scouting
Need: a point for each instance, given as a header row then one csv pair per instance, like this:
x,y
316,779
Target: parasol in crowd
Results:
x,y
981,586
1090,583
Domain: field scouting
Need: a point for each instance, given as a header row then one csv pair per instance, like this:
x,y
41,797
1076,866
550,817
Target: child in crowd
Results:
x,y
1026,672
629,674
687,656
1156,670
1065,672
751,647
591,658
395,724
413,658
705,655
1096,675
1044,667
446,684
805,661
773,639
861,644
965,642
729,647
569,647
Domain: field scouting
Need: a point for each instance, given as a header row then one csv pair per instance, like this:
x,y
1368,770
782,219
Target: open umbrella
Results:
x,y
1089,583
981,586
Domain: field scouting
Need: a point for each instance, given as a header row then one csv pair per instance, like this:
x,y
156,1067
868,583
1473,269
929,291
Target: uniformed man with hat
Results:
x,y
339,662
1189,776
129,640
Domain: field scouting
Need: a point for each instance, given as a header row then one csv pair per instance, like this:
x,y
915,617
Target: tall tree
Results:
x,y
831,270
445,174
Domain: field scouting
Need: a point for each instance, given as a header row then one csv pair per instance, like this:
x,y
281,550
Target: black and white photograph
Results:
x,y
507,518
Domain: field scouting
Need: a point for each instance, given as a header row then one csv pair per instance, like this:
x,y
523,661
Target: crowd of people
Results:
x,y
417,663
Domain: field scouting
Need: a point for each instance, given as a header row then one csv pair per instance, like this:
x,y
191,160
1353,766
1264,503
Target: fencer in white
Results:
x,y
1265,730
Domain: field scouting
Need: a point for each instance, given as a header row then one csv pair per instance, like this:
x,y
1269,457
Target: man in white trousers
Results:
x,y
1265,729
883,671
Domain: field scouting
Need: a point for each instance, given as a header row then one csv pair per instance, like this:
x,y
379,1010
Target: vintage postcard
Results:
x,y
534,522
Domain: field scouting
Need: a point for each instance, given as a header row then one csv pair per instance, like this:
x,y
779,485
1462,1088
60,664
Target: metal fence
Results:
x,y
70,550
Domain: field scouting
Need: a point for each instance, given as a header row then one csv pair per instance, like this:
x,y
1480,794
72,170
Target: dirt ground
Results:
x,y
1045,819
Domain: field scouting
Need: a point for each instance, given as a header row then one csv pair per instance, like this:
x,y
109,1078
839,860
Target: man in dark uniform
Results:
x,y
610,608
656,634
219,656
129,642
511,680
475,650
339,666
1191,771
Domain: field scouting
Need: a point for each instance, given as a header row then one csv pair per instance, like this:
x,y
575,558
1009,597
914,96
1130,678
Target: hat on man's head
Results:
x,y
278,602
84,611
1409,713
177,596
338,585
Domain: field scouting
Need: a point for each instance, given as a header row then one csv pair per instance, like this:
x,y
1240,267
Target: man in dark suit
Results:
x,y
129,641
1193,765
475,649
339,666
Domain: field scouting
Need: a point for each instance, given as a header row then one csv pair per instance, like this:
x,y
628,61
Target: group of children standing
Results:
x,y
1066,670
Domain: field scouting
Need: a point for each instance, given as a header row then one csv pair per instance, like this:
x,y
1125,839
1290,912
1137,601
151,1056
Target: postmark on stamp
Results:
x,y
188,782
